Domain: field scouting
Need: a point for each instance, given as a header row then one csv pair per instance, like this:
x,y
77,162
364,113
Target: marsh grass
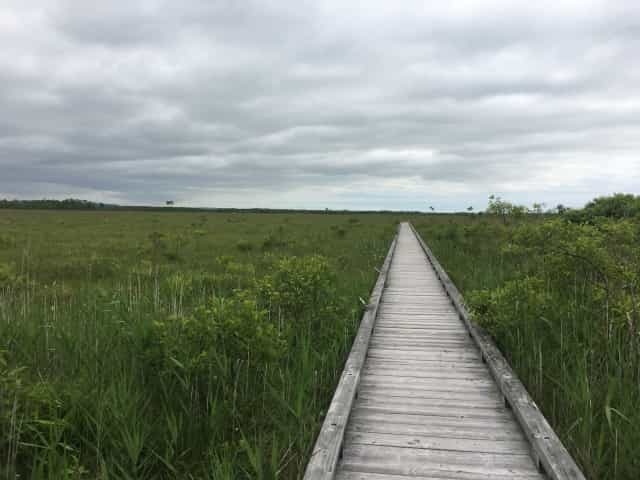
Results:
x,y
147,345
158,345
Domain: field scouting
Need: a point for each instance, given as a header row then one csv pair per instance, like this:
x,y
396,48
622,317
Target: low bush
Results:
x,y
244,246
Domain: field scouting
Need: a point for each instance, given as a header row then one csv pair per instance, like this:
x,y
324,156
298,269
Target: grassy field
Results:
x,y
164,345
207,345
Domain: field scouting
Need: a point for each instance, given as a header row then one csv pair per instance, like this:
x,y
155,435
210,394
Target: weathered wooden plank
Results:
x,y
449,316
418,365
432,324
427,382
433,328
451,341
433,385
386,333
428,330
395,344
355,475
436,411
398,419
417,314
459,402
405,293
443,354
415,300
430,334
452,431
511,446
437,297
386,326
426,396
414,291
433,333
408,461
375,372
416,309
433,361
450,319
406,332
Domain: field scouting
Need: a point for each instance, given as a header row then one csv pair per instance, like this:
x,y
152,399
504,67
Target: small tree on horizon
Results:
x,y
499,207
538,208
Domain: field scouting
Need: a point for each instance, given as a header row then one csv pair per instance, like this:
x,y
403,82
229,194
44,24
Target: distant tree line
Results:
x,y
77,204
67,204
616,206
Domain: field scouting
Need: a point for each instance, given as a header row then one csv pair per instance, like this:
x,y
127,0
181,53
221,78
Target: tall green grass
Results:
x,y
148,345
199,345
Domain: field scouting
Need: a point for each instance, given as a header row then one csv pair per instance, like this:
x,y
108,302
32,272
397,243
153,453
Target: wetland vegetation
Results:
x,y
176,344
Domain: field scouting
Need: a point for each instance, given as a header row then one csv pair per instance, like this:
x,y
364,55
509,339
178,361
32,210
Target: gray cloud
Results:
x,y
313,104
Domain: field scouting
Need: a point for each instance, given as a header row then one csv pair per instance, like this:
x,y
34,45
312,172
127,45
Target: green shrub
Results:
x,y
244,245
8,276
617,206
7,241
300,284
234,275
103,267
275,239
233,328
501,310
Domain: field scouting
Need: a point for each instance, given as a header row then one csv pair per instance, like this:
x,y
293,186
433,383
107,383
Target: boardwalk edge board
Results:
x,y
328,447
550,455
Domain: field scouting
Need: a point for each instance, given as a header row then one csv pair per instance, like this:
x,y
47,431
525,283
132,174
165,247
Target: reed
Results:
x,y
146,345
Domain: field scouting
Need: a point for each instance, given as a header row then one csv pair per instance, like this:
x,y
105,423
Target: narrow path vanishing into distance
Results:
x,y
423,397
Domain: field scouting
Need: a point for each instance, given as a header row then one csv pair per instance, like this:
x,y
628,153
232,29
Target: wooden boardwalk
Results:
x,y
427,405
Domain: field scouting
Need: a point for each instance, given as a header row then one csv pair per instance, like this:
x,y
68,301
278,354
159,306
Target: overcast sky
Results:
x,y
390,105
